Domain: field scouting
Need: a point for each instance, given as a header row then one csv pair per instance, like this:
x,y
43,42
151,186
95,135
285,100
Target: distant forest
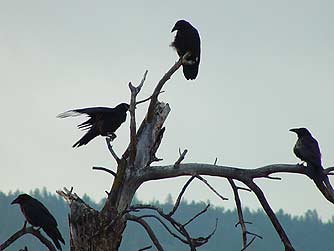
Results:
x,y
307,232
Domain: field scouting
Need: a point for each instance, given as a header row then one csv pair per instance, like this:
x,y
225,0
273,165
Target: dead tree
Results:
x,y
93,230
102,230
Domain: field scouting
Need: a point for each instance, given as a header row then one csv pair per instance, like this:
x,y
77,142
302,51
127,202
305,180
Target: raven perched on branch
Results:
x,y
187,40
102,121
39,216
307,149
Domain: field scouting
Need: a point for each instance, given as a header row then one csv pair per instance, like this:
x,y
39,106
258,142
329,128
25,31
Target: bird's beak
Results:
x,y
174,29
293,130
14,202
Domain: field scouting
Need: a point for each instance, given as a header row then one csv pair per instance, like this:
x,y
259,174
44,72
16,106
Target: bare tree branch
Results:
x,y
132,109
148,230
145,248
249,243
165,226
212,189
180,228
181,157
28,230
241,221
160,84
146,99
104,169
241,174
240,214
279,229
108,141
196,215
177,203
24,249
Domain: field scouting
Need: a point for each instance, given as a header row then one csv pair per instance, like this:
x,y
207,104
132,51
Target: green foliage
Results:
x,y
307,232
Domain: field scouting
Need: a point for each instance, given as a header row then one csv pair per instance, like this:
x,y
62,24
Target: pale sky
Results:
x,y
267,66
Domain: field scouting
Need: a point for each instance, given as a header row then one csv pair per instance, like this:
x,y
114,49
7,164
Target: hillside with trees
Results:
x,y
307,232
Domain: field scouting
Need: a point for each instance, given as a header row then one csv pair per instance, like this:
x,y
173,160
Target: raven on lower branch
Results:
x,y
39,216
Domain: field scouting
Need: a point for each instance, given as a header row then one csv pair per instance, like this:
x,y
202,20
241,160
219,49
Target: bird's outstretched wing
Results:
x,y
91,134
89,111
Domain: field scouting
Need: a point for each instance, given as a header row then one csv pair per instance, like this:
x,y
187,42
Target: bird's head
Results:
x,y
300,131
123,107
181,25
21,199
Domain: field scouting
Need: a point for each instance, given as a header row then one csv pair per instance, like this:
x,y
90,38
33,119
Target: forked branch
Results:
x,y
133,129
241,221
28,230
182,233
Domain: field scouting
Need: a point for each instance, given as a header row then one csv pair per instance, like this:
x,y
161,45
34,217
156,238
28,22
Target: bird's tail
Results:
x,y
190,71
91,134
316,172
55,235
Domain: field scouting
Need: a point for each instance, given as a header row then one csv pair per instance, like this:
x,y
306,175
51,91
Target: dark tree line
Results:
x,y
308,232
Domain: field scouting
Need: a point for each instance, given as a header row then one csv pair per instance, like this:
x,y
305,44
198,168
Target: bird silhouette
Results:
x,y
186,40
39,216
102,121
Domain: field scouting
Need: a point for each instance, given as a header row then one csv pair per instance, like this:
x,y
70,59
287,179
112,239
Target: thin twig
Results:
x,y
192,242
196,215
244,189
254,234
165,226
181,157
273,178
146,99
249,243
145,248
265,205
240,214
111,150
148,229
104,169
177,203
212,189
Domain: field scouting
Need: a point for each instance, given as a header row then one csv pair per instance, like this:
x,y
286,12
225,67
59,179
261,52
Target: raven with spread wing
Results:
x,y
102,121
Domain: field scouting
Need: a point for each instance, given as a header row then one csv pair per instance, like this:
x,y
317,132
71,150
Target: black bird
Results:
x,y
307,149
187,40
39,216
102,121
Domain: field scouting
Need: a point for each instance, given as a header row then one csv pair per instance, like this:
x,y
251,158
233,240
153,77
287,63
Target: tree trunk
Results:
x,y
99,231
91,230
